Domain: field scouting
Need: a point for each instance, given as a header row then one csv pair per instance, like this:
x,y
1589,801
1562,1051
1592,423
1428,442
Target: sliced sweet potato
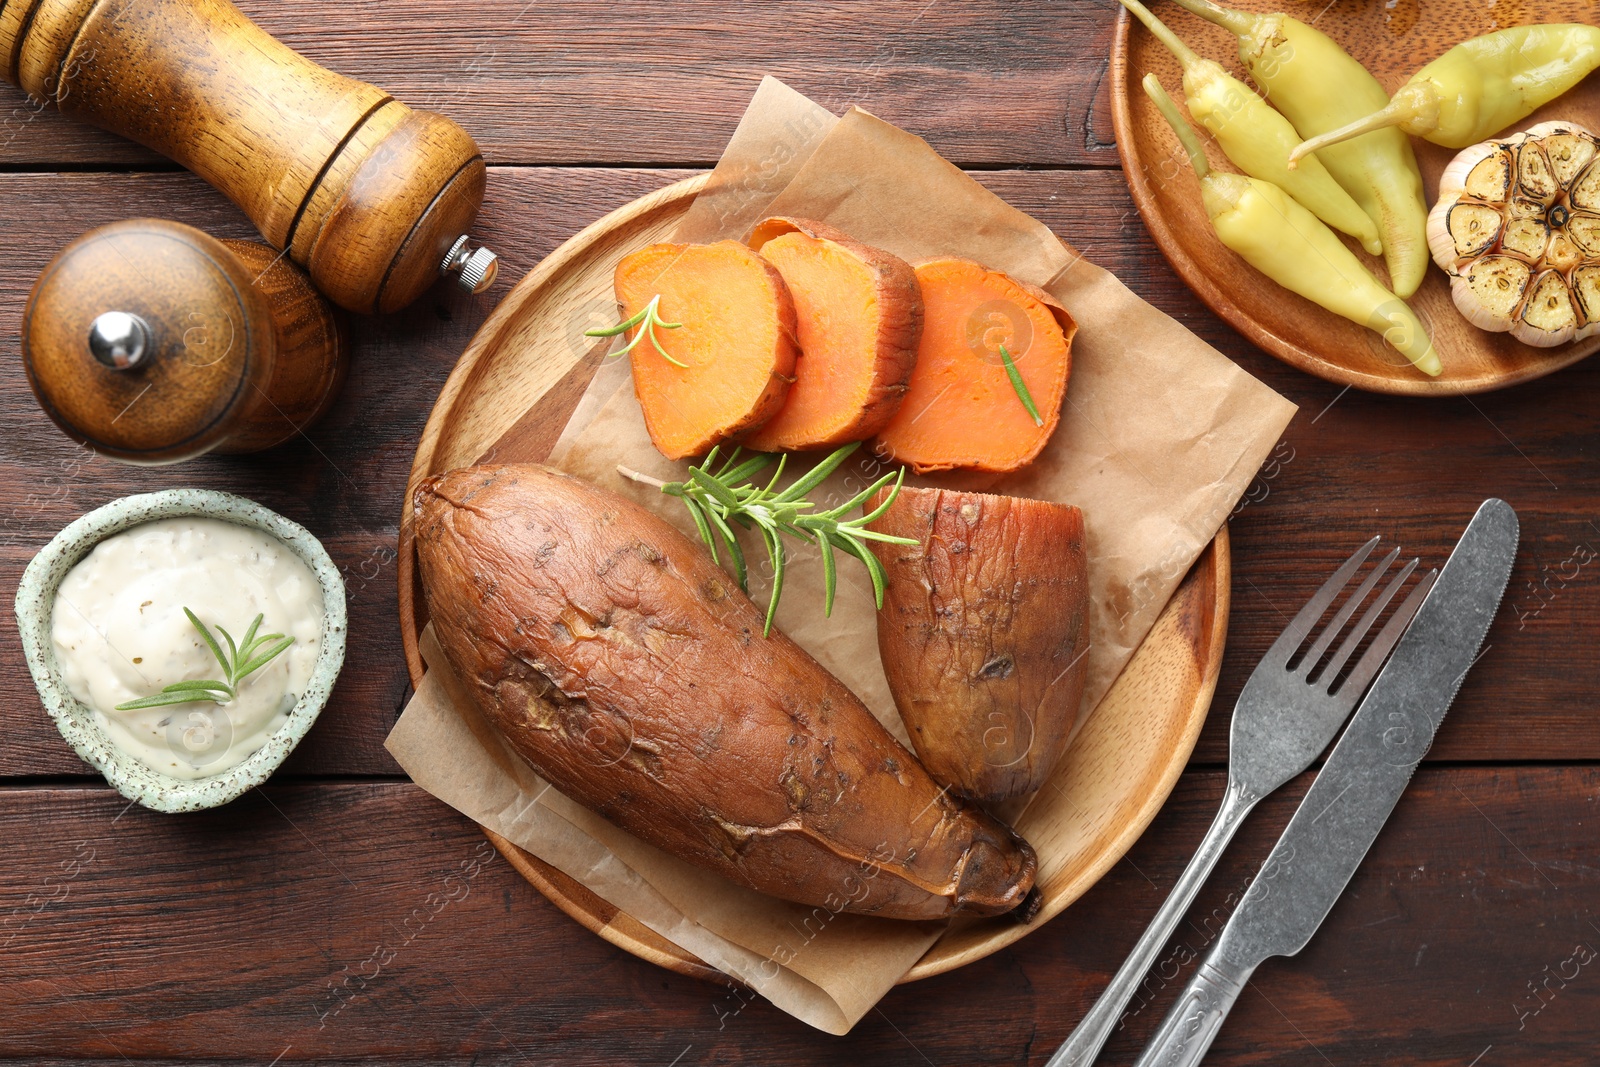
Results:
x,y
736,342
984,634
859,311
962,409
626,667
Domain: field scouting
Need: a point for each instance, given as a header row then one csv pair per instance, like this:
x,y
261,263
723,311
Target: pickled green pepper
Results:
x,y
1290,245
1481,86
1256,138
1319,87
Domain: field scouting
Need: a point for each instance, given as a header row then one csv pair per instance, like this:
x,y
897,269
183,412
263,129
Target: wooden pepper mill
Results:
x,y
152,342
372,198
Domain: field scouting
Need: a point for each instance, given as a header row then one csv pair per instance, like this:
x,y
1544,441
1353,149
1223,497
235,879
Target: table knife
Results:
x,y
1358,787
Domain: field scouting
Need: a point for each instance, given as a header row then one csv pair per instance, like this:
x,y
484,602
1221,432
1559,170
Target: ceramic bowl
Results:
x,y
36,600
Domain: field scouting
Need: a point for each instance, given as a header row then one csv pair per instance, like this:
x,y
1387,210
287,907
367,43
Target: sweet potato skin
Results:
x,y
629,670
898,299
984,634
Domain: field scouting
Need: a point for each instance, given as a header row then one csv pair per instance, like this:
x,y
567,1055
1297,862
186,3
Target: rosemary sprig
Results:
x,y
1020,386
720,496
240,660
650,316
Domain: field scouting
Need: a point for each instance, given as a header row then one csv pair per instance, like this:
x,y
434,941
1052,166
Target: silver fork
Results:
x,y
1286,714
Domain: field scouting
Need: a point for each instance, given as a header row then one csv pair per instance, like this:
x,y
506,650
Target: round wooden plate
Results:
x,y
511,394
1393,39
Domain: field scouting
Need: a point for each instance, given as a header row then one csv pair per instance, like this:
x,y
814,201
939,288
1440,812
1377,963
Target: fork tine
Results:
x,y
1348,608
1301,624
1367,666
1369,617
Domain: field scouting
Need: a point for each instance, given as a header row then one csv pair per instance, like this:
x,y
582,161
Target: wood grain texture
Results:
x,y
272,928
1352,464
1392,42
561,81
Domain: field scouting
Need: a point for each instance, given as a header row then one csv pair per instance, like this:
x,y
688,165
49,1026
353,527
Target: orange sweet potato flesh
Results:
x,y
984,634
628,669
961,409
737,339
859,311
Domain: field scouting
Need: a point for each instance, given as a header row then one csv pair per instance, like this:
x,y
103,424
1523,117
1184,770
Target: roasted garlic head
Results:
x,y
1517,228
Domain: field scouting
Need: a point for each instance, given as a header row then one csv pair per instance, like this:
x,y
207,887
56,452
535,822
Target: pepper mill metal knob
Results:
x,y
151,342
366,194
119,340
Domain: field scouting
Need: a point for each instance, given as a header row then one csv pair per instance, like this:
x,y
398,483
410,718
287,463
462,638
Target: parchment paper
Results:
x,y
1159,437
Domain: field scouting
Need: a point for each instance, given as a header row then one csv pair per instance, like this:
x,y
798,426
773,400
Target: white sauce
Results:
x,y
120,634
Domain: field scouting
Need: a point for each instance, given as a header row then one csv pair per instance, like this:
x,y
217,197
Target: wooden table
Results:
x,y
312,920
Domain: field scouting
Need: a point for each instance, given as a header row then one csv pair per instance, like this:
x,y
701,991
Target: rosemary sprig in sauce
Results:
x,y
241,659
719,497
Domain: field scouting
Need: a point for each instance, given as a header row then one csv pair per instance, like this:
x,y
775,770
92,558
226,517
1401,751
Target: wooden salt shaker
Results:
x,y
372,198
152,342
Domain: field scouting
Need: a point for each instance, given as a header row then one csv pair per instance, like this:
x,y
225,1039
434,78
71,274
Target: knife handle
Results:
x,y
1192,1024
1084,1043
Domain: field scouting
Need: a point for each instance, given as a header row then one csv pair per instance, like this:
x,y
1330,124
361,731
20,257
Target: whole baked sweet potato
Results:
x,y
630,671
984,634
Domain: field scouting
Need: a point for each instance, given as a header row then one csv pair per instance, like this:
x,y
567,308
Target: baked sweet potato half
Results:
x,y
628,669
724,365
984,634
859,315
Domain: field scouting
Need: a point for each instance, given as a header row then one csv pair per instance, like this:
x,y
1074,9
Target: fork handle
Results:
x,y
1189,1028
1085,1042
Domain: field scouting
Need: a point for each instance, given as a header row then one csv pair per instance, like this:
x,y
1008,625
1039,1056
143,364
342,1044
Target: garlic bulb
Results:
x,y
1517,228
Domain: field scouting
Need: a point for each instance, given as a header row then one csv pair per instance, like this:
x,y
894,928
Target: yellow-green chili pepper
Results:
x,y
1291,246
1257,138
1481,86
1319,87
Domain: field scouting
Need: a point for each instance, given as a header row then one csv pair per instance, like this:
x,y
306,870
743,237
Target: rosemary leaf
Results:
x,y
700,523
830,573
1020,386
735,553
775,548
266,657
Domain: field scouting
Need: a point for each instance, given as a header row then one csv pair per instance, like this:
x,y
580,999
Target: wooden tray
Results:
x,y
1393,40
509,398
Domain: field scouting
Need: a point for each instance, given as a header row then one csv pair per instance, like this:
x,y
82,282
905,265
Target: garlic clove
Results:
x,y
1535,179
1525,238
1586,294
1473,230
1569,152
1548,317
1584,230
1561,254
1490,178
1490,291
1585,191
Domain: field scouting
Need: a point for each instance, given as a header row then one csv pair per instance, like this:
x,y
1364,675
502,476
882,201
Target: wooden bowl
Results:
x,y
1393,40
510,396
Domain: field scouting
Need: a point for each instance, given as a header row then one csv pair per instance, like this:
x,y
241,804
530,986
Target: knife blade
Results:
x,y
1355,792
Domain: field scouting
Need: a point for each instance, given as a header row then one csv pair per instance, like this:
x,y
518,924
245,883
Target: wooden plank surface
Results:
x,y
1351,465
274,928
342,916
643,82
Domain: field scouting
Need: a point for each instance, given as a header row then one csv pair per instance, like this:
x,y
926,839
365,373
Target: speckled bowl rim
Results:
x,y
35,603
